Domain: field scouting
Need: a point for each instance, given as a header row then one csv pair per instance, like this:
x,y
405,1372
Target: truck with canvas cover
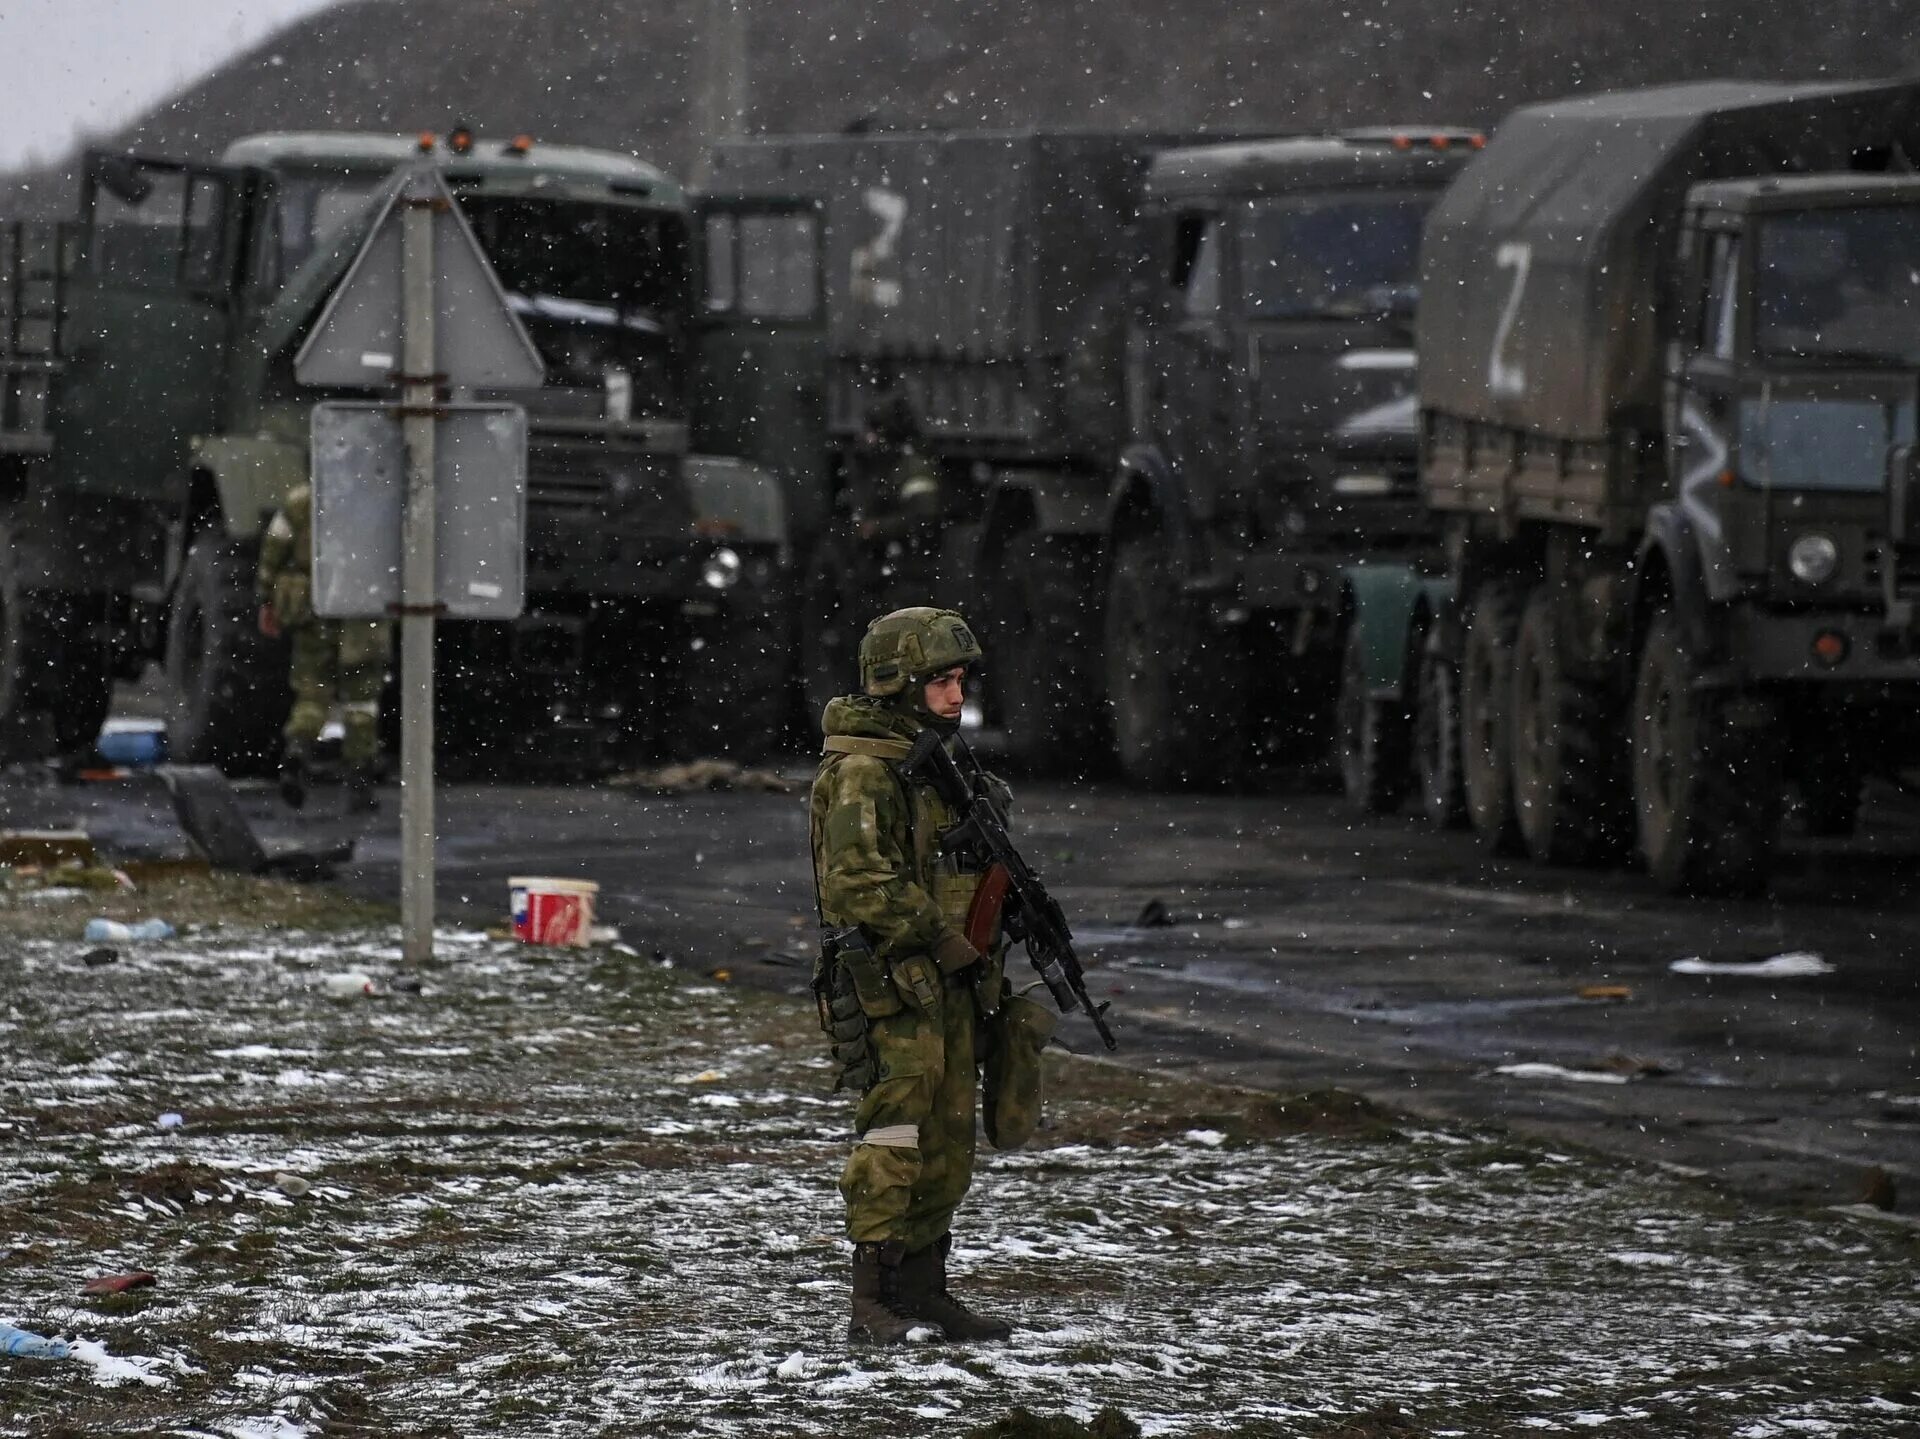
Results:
x,y
152,425
1163,385
1672,345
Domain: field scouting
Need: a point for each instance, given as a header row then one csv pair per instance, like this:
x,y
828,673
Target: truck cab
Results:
x,y
175,425
1274,428
1792,389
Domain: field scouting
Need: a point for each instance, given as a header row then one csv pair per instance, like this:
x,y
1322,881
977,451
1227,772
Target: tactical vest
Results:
x,y
927,818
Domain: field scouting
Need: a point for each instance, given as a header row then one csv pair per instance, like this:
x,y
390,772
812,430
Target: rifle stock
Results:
x,y
1032,915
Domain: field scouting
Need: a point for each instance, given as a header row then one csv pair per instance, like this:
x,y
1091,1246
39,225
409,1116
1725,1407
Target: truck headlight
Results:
x,y
1813,559
721,571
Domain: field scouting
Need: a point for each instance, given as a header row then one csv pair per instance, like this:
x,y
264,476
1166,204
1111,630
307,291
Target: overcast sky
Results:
x,y
68,66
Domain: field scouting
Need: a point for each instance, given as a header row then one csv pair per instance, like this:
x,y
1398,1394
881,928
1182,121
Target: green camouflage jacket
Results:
x,y
876,863
285,577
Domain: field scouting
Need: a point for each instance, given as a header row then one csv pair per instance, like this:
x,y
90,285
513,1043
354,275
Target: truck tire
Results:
x,y
1486,690
830,628
736,691
228,681
1047,654
1372,738
1177,694
1706,790
1436,740
1565,756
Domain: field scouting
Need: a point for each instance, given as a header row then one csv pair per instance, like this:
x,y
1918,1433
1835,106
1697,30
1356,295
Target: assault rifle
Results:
x,y
1031,914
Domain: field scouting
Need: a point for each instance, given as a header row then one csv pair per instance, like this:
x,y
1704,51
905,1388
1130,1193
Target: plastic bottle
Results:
x,y
28,1345
350,985
112,931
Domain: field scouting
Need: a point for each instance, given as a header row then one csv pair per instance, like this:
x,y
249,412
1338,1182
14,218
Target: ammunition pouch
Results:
x,y
1011,1099
845,970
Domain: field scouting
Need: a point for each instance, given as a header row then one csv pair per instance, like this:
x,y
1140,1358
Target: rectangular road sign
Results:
x,y
360,496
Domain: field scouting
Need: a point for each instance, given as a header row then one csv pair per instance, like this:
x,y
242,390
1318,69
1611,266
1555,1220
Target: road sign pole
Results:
x,y
419,396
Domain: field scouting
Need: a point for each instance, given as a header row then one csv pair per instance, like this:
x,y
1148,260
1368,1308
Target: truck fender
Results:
x,y
1667,569
1147,492
1385,606
249,475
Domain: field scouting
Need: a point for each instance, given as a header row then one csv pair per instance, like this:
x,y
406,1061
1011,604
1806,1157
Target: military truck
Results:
x,y
1671,346
1167,383
150,425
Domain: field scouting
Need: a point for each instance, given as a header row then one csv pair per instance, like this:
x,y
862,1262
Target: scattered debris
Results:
x,y
1610,992
1876,1188
1154,914
405,984
102,931
1556,1071
702,775
1635,1066
28,1345
102,954
1798,965
292,1185
172,1119
45,847
350,984
119,1283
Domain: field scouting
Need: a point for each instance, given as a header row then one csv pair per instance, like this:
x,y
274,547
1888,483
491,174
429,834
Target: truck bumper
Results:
x,y
1816,647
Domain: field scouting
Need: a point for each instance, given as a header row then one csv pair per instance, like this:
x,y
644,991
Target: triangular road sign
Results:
x,y
478,341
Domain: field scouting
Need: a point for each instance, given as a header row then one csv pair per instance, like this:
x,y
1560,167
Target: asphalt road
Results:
x,y
1309,948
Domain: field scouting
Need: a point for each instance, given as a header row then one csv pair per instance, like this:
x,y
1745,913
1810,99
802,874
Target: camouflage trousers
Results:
x,y
913,1161
340,662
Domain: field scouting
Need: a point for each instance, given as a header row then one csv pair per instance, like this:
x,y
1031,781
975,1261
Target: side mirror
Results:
x,y
123,179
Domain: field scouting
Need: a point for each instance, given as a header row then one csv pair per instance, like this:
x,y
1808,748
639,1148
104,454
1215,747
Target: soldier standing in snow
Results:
x,y
911,982
332,660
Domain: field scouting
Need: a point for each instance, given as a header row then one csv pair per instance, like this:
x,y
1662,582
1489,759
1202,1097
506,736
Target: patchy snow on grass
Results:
x,y
548,1193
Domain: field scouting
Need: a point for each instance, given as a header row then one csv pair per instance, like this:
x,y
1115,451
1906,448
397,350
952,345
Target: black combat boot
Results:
x,y
361,796
879,1315
923,1281
293,778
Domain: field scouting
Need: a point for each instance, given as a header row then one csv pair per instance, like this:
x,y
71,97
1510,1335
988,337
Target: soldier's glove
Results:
x,y
269,622
952,952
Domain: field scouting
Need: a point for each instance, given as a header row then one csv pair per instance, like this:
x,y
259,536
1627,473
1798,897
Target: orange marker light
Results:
x,y
1727,477
1440,142
1401,142
426,141
1830,647
1479,142
460,140
519,144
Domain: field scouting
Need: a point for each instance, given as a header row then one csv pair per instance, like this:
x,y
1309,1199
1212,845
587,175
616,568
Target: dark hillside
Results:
x,y
619,72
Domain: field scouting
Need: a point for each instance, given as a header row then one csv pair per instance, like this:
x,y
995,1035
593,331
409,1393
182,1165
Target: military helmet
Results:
x,y
913,645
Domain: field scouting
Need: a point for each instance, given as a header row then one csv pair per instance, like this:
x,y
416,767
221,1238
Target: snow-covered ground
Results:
x,y
583,1194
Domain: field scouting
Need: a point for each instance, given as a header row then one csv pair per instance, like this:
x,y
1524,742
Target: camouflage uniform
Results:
x,y
342,661
931,1011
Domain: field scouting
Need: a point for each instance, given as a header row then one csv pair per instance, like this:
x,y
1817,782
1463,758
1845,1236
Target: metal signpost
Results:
x,y
420,291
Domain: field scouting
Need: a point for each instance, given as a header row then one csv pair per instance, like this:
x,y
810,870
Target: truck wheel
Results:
x,y
1177,693
1486,688
1373,737
1047,648
1436,740
1564,758
229,681
830,628
736,691
1706,790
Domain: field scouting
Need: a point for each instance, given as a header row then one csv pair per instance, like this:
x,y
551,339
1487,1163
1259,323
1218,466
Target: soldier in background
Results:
x,y
897,493
332,661
911,982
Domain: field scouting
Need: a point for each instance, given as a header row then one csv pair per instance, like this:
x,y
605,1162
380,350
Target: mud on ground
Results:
x,y
586,1194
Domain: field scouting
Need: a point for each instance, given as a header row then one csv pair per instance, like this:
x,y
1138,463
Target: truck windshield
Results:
x,y
310,212
601,288
1333,256
1841,286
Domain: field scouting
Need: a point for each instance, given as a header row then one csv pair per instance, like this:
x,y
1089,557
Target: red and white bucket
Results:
x,y
552,911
